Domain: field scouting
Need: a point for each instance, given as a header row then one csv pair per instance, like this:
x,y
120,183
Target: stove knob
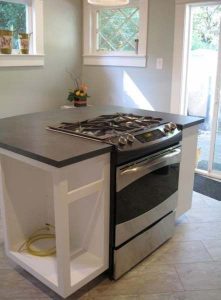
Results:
x,y
173,126
122,140
167,128
130,138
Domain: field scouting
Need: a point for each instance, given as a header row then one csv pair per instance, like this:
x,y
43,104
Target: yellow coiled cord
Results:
x,y
45,233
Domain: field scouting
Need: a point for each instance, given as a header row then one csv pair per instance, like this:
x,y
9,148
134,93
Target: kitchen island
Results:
x,y
48,177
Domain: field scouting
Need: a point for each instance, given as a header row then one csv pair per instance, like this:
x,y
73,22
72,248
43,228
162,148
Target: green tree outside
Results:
x,y
206,24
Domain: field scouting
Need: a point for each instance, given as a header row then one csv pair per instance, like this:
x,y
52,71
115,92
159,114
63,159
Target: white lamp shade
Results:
x,y
109,2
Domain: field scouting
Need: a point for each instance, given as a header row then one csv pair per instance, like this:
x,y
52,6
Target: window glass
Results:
x,y
118,29
13,16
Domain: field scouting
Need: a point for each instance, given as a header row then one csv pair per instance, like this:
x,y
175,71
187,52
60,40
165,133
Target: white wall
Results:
x,y
140,87
31,89
25,90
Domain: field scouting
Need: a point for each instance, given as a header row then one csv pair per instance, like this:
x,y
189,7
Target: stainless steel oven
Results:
x,y
144,180
146,198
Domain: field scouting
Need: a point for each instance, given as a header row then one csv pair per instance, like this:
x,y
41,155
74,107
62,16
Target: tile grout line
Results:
x,y
182,284
208,250
175,292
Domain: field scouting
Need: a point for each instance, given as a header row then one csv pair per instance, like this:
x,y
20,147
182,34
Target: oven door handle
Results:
x,y
172,157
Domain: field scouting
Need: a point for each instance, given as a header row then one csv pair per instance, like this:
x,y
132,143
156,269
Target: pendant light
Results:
x,y
108,2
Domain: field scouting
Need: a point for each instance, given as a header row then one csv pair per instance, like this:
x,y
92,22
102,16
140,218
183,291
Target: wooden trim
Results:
x,y
84,191
21,60
119,61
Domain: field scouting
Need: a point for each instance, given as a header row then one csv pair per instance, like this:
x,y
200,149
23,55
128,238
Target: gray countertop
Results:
x,y
27,134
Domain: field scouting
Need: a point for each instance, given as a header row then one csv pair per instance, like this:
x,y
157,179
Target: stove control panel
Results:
x,y
150,136
128,141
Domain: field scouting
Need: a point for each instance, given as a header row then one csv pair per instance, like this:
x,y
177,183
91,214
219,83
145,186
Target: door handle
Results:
x,y
151,164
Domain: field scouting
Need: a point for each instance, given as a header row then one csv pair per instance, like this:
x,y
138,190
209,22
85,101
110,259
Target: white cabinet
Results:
x,y
187,168
75,199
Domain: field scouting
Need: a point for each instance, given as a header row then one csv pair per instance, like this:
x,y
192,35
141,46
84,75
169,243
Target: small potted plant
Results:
x,y
79,94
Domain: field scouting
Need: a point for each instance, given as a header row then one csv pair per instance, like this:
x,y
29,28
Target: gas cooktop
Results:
x,y
120,129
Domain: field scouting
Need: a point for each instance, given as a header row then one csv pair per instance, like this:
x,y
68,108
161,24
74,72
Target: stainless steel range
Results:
x,y
145,170
132,135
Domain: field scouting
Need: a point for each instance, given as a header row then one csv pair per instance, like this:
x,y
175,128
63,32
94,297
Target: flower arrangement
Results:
x,y
79,94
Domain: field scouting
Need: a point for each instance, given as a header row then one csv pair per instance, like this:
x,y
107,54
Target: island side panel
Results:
x,y
82,206
27,197
187,169
62,233
30,189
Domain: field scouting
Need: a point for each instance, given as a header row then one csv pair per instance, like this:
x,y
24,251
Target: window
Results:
x,y
14,16
19,17
118,29
116,36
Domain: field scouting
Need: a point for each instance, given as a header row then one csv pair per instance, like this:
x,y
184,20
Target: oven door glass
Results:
x,y
146,184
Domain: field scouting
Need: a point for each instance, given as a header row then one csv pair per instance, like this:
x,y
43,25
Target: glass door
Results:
x,y
202,88
215,153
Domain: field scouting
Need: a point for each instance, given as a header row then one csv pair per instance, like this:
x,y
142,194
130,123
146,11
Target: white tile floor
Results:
x,y
188,267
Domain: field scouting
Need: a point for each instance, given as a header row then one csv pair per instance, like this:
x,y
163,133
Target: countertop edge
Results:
x,y
80,158
194,123
54,163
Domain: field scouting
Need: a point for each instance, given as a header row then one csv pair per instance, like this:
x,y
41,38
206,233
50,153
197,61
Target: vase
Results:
x,y
6,37
24,43
79,102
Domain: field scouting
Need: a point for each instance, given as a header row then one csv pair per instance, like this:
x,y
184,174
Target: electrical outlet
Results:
x,y
159,63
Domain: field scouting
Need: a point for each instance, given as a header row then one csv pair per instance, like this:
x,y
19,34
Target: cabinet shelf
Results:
x,y
82,268
45,267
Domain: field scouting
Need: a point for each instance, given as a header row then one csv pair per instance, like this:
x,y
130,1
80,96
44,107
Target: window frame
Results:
x,y
179,52
35,23
114,58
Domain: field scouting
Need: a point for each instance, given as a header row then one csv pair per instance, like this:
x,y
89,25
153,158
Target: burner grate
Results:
x,y
106,127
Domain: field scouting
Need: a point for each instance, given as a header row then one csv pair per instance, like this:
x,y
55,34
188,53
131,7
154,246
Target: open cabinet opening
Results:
x,y
75,201
29,206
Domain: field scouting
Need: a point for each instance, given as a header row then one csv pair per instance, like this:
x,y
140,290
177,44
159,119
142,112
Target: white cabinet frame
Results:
x,y
75,199
187,167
